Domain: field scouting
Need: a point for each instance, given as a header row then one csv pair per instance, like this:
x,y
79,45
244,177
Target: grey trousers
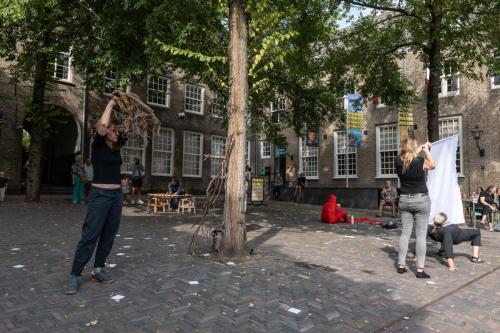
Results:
x,y
414,210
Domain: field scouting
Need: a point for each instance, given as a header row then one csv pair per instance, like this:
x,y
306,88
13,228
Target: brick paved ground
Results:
x,y
340,277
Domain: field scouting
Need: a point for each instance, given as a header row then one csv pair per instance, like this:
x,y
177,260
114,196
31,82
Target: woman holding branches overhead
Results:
x,y
414,202
105,206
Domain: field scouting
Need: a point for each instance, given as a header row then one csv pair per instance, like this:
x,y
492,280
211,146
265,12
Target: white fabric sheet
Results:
x,y
442,182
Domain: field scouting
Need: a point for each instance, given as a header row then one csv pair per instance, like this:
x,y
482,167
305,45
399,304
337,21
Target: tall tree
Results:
x,y
447,36
32,32
253,51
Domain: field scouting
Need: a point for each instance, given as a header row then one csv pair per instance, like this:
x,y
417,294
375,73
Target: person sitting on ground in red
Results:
x,y
388,196
449,234
331,213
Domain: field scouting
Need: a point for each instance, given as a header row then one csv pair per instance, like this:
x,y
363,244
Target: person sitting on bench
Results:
x,y
449,235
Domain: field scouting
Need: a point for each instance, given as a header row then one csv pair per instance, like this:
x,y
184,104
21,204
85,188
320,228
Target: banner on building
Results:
x,y
312,139
442,182
354,120
405,122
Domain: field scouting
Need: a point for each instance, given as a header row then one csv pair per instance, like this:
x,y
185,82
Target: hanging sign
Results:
x,y
405,122
354,120
257,189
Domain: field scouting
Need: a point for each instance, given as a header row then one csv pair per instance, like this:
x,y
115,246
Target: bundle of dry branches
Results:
x,y
135,118
213,191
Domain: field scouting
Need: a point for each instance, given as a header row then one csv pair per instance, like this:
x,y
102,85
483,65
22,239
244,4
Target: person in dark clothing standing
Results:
x,y
414,202
487,201
449,235
105,206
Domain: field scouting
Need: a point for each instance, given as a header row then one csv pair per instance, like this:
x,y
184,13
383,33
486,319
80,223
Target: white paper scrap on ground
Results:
x,y
120,254
147,238
15,249
18,266
193,282
128,238
165,238
349,236
442,182
117,298
171,244
430,282
230,263
126,246
294,310
111,265
206,254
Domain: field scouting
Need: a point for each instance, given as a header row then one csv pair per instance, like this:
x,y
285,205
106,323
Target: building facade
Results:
x,y
467,107
191,126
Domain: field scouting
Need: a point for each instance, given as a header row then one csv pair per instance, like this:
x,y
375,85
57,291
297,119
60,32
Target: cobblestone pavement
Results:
x,y
337,278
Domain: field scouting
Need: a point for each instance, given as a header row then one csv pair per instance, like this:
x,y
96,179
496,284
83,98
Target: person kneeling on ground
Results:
x,y
449,235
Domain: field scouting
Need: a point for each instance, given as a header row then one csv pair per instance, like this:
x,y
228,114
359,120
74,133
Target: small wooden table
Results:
x,y
162,200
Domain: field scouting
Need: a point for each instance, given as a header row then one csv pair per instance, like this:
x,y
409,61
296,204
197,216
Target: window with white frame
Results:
x,y
265,149
193,99
163,152
218,149
110,84
218,104
278,109
193,153
158,90
345,164
308,160
247,153
450,85
387,150
129,151
62,67
449,127
495,82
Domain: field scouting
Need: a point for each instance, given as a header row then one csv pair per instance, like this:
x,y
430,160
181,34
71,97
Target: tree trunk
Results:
x,y
435,68
234,238
37,131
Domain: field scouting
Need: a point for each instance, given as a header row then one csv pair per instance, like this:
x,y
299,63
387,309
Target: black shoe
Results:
x,y
402,270
423,275
102,277
71,287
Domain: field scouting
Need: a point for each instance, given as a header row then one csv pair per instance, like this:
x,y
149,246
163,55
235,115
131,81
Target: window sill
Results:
x,y
265,157
161,175
196,113
344,177
449,94
386,176
494,87
192,176
65,82
163,106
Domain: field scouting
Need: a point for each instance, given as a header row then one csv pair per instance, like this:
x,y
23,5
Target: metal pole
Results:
x,y
347,143
85,112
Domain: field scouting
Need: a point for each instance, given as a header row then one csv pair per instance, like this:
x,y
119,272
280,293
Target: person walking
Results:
x,y
487,200
79,178
137,173
89,174
105,206
3,186
414,201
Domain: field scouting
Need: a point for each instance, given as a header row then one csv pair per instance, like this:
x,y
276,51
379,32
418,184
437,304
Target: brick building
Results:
x,y
191,127
464,105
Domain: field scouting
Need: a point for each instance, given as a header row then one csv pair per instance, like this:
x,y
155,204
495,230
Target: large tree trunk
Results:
x,y
37,129
435,68
234,238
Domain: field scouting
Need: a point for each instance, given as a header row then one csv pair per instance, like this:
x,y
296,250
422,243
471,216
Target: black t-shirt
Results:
x,y
106,162
3,182
413,180
487,197
448,235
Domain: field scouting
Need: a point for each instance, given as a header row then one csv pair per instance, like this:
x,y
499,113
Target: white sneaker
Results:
x,y
140,202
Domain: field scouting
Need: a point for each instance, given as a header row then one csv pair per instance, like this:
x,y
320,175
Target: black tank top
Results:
x,y
106,162
413,180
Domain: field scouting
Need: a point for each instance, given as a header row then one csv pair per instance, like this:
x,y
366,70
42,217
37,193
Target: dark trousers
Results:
x,y
101,225
472,235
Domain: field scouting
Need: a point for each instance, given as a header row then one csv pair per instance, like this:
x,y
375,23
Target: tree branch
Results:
x,y
386,8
